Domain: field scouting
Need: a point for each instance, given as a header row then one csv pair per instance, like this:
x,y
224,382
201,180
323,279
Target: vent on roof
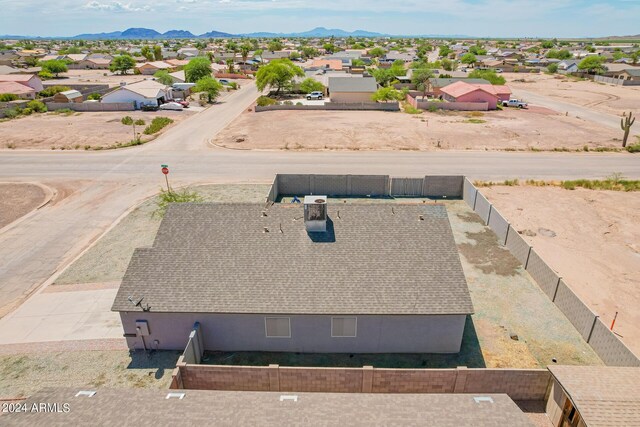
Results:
x,y
284,397
482,399
315,214
175,395
85,393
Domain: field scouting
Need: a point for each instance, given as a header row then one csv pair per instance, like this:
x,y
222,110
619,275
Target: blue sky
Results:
x,y
482,18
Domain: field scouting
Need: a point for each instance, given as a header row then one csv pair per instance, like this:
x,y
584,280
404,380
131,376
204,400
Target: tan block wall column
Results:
x,y
367,379
461,379
274,377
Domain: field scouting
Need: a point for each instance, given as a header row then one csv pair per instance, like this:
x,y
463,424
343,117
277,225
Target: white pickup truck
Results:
x,y
514,103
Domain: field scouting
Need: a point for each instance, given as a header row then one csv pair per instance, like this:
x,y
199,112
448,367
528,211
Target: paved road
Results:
x,y
108,183
574,110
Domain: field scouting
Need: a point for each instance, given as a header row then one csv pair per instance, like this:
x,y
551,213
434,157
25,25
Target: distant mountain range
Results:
x,y
147,33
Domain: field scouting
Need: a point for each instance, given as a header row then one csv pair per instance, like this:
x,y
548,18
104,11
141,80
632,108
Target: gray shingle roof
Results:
x,y
604,395
349,84
147,407
216,258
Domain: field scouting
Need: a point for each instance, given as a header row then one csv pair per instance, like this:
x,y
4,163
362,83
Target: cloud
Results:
x,y
117,6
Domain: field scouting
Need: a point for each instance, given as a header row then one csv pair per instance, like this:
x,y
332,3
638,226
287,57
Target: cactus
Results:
x,y
625,124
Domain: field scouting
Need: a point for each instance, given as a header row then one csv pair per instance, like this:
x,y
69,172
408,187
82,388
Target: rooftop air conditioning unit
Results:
x,y
315,214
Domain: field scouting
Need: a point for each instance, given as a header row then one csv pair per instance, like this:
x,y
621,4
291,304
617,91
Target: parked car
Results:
x,y
224,81
182,102
149,107
498,70
515,103
172,106
315,95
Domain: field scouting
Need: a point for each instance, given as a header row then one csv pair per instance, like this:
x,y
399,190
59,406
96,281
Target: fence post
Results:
x,y
506,237
556,291
461,379
274,377
526,264
489,216
593,325
367,379
475,198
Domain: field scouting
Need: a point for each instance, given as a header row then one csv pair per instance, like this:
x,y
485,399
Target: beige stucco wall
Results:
x,y
351,97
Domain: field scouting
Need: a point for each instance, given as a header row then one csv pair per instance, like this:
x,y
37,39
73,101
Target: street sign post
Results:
x,y
165,171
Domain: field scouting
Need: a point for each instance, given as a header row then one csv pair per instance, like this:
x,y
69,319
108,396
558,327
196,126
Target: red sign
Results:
x,y
165,171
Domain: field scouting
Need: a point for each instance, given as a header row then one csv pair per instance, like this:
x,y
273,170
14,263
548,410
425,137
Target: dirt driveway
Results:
x,y
511,129
591,238
17,200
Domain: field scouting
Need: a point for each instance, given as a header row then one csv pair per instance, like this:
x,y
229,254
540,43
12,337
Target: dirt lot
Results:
x,y
603,97
591,238
511,129
24,374
17,200
77,130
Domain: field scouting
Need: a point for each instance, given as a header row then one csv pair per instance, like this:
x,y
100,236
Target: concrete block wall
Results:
x,y
406,187
580,316
443,186
482,207
499,225
609,348
544,275
518,247
469,193
519,384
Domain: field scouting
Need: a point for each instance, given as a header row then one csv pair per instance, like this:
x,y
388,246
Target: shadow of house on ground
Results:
x,y
158,360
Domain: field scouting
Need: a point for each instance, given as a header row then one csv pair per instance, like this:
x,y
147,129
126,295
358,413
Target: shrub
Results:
x,y
52,90
287,103
635,148
127,120
6,97
170,196
233,85
157,124
26,111
65,111
139,122
95,96
263,101
432,108
37,106
45,75
12,113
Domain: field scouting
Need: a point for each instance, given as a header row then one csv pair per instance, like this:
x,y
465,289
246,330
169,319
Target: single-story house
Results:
x,y
501,91
464,92
145,92
31,80
8,56
352,89
68,96
437,83
20,90
94,63
150,68
568,66
632,74
328,64
176,62
188,52
594,396
178,76
139,406
7,69
270,56
296,278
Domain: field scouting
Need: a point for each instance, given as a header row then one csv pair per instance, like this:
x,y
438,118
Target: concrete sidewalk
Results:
x,y
62,316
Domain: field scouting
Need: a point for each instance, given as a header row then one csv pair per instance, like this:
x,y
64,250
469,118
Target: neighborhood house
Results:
x,y
341,278
352,89
146,92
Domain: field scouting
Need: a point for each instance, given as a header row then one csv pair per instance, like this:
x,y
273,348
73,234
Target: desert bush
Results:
x,y
263,101
94,96
169,196
127,120
26,111
157,124
6,97
37,106
52,90
139,122
11,113
635,148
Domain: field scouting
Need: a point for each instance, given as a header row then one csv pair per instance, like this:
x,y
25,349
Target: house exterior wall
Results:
x,y
123,95
479,96
309,333
348,97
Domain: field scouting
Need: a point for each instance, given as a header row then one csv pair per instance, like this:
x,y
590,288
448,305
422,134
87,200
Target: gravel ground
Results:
x,y
17,200
23,374
107,260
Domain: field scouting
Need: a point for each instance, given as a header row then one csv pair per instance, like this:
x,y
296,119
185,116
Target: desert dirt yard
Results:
x,y
17,200
534,129
598,96
590,238
77,130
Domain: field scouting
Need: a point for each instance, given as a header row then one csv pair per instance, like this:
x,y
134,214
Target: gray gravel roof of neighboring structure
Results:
x,y
374,259
147,407
604,395
348,84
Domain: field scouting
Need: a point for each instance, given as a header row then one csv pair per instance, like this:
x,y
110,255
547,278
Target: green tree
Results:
x,y
552,68
420,78
245,49
210,86
445,51
377,52
6,97
592,65
274,45
559,54
447,64
488,75
468,58
386,94
157,53
197,69
122,64
146,52
309,51
547,44
329,47
163,77
477,50
54,66
278,74
309,85
230,66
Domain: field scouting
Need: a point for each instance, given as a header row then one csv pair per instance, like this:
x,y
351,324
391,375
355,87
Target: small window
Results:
x,y
277,327
343,326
